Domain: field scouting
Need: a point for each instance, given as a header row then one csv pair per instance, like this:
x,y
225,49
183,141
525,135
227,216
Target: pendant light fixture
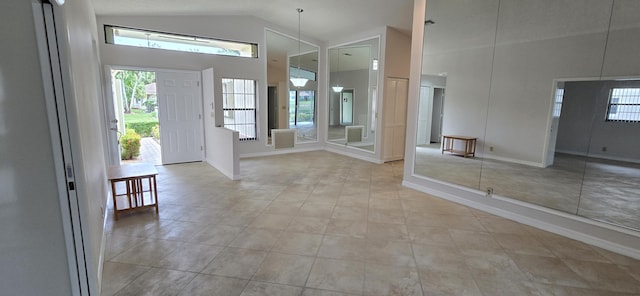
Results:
x,y
298,81
337,88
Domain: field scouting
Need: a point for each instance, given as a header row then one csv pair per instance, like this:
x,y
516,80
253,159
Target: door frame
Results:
x,y
113,145
353,95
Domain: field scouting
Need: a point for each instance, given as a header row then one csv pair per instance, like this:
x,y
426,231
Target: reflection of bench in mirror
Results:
x,y
469,147
354,133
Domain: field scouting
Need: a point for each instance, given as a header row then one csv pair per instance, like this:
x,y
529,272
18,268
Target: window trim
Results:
x,y
255,108
611,105
109,39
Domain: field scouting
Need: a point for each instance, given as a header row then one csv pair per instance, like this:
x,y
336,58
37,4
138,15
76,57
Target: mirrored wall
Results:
x,y
353,78
290,106
536,101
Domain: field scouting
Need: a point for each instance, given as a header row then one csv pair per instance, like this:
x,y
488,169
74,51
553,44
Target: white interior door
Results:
x,y
347,107
180,116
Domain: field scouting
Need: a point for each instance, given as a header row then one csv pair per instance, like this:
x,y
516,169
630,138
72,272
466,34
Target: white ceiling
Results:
x,y
322,19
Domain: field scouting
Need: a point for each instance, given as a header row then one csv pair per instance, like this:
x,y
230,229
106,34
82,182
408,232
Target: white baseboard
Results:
x,y
513,160
608,237
229,175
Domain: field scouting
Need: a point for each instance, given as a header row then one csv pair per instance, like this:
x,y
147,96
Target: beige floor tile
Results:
x,y
298,243
190,257
284,269
356,201
220,235
316,209
258,239
208,285
386,216
522,244
271,221
439,258
391,280
383,231
158,282
548,271
605,276
234,262
505,286
572,291
308,225
347,248
474,240
292,196
567,248
148,253
495,263
351,228
337,275
385,204
457,250
116,276
120,243
316,292
238,218
268,289
350,213
396,253
439,283
284,208
430,235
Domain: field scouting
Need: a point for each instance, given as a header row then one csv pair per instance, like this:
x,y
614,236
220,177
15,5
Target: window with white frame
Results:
x,y
557,105
624,105
239,106
178,42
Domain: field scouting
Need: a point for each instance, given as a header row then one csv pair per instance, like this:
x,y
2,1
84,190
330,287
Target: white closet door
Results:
x,y
395,118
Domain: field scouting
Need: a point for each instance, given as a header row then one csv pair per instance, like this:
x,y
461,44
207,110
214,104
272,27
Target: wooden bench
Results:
x,y
135,197
469,145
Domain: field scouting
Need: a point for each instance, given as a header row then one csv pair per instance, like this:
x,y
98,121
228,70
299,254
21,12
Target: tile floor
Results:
x,y
319,224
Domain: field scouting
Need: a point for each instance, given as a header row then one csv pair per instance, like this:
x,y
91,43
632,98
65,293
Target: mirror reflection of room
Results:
x,y
353,81
290,106
555,108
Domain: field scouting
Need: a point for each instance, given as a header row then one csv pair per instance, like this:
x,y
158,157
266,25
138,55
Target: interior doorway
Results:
x,y
438,112
346,107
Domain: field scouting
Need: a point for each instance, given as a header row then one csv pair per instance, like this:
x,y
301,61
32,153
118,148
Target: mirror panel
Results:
x,y
290,106
525,79
352,106
456,75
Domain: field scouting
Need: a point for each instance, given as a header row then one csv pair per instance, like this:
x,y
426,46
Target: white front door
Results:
x,y
180,116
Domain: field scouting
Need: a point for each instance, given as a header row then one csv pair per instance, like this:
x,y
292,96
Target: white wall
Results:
x,y
32,249
237,28
33,258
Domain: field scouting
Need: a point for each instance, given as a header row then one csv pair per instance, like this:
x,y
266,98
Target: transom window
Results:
x,y
177,42
624,105
239,106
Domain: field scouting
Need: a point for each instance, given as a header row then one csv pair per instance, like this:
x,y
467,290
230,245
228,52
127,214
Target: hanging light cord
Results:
x,y
300,10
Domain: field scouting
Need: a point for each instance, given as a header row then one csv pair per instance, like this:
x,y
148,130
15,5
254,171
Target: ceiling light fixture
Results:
x,y
337,88
298,81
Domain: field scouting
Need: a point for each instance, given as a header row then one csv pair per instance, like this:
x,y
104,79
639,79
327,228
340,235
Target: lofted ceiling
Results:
x,y
324,20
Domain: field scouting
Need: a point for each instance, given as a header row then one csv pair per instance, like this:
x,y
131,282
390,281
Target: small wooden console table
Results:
x,y
469,145
137,195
